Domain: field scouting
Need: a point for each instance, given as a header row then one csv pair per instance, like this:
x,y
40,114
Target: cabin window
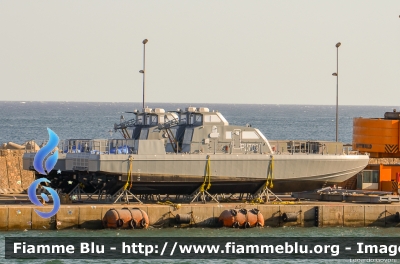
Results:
x,y
375,176
139,120
154,120
368,180
183,118
198,120
359,180
228,135
212,119
249,135
191,119
162,119
370,176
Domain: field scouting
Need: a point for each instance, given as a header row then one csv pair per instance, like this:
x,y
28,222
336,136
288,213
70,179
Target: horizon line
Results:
x,y
46,101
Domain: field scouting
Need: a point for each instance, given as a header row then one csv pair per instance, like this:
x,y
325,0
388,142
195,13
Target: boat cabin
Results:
x,y
203,131
194,130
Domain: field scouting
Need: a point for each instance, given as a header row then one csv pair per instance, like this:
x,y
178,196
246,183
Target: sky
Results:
x,y
225,51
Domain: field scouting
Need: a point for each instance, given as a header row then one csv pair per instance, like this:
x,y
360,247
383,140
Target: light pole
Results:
x,y
337,87
144,68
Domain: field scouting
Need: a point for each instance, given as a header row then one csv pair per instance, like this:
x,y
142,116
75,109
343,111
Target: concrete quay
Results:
x,y
22,216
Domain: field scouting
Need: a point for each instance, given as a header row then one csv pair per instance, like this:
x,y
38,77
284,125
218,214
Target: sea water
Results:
x,y
22,121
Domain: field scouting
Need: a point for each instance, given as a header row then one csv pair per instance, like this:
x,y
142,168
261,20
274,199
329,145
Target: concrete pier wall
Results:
x,y
21,217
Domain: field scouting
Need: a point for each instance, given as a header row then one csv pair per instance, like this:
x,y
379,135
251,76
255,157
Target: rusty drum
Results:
x,y
125,218
241,218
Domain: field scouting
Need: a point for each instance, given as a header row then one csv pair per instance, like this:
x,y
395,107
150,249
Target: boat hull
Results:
x,y
185,173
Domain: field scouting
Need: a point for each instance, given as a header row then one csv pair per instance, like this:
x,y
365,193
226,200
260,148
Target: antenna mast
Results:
x,y
144,69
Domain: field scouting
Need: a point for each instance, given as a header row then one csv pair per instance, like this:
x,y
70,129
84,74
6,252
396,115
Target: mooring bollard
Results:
x,y
289,217
183,218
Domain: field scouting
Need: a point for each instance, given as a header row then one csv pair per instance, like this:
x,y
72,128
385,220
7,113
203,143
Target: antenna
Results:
x,y
144,68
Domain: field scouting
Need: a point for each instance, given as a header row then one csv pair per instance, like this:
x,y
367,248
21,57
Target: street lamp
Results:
x,y
143,71
337,86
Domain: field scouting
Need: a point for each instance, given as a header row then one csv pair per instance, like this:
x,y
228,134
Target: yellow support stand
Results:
x,y
124,190
202,190
264,190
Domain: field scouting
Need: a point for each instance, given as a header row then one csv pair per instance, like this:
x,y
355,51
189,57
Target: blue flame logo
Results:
x,y
32,196
50,162
44,152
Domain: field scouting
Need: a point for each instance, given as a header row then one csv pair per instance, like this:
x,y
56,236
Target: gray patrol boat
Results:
x,y
179,152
